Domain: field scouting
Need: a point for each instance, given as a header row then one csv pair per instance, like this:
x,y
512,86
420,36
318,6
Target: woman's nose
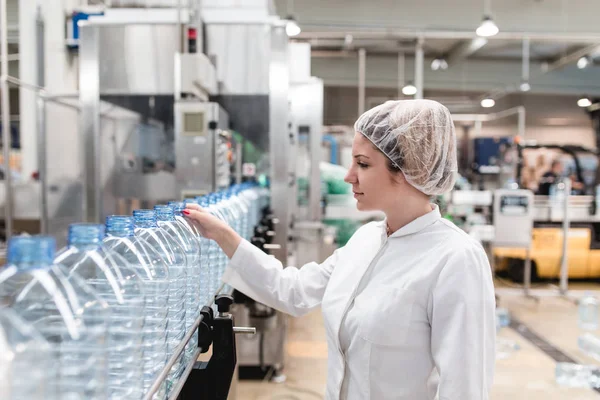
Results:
x,y
350,176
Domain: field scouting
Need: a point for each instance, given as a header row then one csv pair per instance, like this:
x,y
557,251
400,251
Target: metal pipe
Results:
x,y
521,122
5,104
11,57
42,162
375,32
175,390
419,68
525,66
401,82
564,262
177,352
362,72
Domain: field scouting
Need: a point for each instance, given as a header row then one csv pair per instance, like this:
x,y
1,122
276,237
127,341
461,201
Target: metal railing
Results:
x,y
160,379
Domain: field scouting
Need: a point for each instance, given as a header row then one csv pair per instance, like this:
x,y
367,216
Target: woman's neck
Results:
x,y
407,211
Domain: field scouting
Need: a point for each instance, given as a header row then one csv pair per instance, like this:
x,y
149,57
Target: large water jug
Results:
x,y
146,227
153,272
165,217
117,283
215,254
65,310
244,204
25,360
205,251
589,312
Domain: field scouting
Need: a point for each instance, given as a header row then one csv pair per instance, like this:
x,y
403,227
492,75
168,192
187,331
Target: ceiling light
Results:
x,y
439,63
409,90
487,28
583,62
488,103
292,28
584,102
525,86
348,39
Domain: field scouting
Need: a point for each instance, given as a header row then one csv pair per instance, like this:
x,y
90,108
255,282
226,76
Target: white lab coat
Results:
x,y
422,320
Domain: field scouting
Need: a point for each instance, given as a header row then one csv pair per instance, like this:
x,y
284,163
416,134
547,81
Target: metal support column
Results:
x,y
564,262
401,79
419,68
362,72
279,83
42,162
5,105
89,97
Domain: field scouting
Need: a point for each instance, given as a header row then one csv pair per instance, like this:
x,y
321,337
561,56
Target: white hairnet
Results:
x,y
419,139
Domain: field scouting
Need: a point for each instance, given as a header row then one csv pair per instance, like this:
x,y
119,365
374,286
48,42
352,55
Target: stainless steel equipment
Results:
x,y
202,147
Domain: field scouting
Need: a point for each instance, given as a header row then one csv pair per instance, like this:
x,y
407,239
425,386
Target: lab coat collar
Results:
x,y
417,225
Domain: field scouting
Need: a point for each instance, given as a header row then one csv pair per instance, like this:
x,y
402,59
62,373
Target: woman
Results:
x,y
408,303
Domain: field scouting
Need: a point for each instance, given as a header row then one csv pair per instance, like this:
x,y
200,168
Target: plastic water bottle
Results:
x,y
65,310
203,243
589,344
231,218
244,204
152,270
165,217
576,375
216,255
588,312
146,227
117,283
25,360
502,318
205,256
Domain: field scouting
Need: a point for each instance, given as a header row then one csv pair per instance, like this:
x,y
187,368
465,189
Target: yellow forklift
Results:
x,y
547,242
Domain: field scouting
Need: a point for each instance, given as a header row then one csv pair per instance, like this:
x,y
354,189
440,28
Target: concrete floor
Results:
x,y
527,374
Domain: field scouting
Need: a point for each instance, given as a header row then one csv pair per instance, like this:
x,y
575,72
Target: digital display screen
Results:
x,y
193,124
514,205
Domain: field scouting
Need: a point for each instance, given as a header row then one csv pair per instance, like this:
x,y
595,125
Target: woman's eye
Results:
x,y
362,165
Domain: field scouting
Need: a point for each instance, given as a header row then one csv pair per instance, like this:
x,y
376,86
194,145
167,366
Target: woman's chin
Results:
x,y
360,206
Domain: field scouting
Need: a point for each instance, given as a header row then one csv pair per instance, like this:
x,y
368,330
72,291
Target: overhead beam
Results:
x,y
573,57
308,33
464,50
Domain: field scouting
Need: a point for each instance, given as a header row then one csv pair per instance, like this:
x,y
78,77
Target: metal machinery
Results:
x,y
193,106
552,217
201,148
157,121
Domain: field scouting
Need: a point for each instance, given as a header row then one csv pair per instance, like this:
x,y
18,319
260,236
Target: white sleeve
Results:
x,y
463,327
292,290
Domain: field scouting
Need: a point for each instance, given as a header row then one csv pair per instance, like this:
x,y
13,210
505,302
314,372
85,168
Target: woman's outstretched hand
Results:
x,y
213,228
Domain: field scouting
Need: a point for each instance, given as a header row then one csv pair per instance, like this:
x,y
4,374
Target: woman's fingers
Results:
x,y
193,206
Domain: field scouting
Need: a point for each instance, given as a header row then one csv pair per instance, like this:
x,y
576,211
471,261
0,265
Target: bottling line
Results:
x,y
169,108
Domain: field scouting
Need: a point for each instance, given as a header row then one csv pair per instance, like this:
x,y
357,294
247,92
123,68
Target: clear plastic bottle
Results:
x,y
590,345
152,270
215,253
205,254
146,227
25,360
117,283
502,318
576,375
65,311
166,220
244,204
588,312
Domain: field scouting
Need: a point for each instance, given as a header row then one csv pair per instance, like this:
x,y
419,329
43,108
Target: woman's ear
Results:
x,y
398,178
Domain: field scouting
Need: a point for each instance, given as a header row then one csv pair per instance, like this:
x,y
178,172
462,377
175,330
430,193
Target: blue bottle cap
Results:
x,y
164,213
31,251
85,234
